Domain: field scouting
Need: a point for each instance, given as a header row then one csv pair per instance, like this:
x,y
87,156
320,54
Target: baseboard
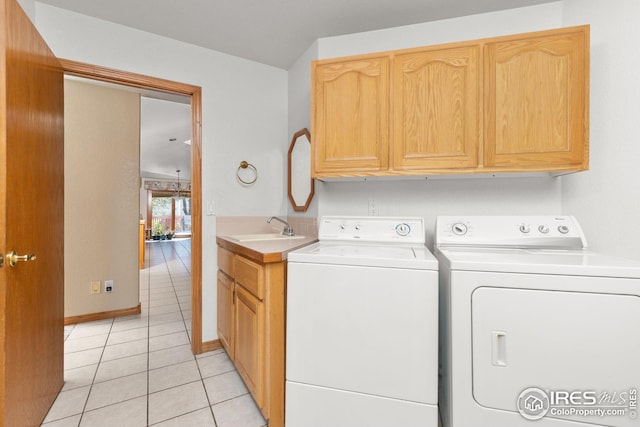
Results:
x,y
91,317
211,345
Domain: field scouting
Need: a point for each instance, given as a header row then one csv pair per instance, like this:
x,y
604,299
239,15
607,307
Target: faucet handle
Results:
x,y
288,230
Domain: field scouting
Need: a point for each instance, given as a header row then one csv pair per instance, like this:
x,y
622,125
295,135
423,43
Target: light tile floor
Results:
x,y
139,370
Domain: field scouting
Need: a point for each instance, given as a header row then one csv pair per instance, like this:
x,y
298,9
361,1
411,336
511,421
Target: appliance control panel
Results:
x,y
372,229
553,232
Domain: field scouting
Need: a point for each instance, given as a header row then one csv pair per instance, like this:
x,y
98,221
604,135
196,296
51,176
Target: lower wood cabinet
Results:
x,y
226,290
251,327
249,357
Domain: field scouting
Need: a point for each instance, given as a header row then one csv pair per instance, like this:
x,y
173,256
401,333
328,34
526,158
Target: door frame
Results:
x,y
124,78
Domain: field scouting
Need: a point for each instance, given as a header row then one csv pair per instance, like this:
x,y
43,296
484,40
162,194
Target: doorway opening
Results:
x,y
194,93
170,213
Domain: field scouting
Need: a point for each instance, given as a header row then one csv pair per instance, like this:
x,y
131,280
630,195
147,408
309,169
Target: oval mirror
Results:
x,y
300,184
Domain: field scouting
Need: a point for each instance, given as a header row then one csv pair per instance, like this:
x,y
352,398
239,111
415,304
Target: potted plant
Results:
x,y
158,231
170,234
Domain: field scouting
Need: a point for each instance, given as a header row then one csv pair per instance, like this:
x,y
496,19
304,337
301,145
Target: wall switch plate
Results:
x,y
211,208
108,285
94,287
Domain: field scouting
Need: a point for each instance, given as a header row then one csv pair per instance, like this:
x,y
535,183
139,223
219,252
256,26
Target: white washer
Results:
x,y
524,305
362,326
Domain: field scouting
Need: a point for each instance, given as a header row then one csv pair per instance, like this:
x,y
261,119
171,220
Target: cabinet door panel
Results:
x,y
225,312
249,350
436,111
350,116
536,102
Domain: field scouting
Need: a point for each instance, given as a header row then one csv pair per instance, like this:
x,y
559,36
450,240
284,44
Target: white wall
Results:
x,y
606,199
429,198
244,107
300,109
101,174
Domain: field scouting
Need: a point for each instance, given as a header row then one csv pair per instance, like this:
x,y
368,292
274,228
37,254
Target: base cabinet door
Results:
x,y
226,289
249,345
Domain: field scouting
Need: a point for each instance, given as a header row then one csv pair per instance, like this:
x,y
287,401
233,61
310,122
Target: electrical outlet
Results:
x,y
94,287
108,285
373,208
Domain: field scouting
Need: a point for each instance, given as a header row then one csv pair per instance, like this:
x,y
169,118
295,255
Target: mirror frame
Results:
x,y
297,136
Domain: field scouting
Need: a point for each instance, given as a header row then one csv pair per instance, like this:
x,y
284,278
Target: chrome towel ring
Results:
x,y
246,165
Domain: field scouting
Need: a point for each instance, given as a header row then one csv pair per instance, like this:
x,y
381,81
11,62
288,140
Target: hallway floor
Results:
x,y
139,370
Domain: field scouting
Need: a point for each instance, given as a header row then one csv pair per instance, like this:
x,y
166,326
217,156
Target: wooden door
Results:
x,y
31,221
536,101
226,289
350,117
435,109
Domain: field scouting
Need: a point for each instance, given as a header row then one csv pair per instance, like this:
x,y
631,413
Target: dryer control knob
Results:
x,y
403,229
524,228
459,229
544,229
563,229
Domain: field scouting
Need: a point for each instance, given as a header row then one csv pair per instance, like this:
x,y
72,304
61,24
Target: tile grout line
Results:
x,y
184,321
95,374
174,262
148,263
201,379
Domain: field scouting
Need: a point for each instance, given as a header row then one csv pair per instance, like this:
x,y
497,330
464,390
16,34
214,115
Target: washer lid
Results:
x,y
368,255
539,261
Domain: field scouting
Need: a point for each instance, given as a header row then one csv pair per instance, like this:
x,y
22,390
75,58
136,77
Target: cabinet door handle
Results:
x,y
499,348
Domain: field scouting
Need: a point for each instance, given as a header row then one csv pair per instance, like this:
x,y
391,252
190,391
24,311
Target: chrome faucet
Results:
x,y
288,230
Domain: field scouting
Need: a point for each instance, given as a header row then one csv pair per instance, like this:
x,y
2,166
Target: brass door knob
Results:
x,y
13,258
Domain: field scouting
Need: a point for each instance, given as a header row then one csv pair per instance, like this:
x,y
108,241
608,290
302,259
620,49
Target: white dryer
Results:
x,y
362,326
534,326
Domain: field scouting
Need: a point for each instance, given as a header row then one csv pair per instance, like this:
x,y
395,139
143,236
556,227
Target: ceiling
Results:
x,y
165,129
274,32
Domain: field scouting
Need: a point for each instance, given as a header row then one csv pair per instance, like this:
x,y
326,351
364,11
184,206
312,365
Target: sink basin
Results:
x,y
263,237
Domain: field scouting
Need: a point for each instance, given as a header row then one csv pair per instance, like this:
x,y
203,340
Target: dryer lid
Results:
x,y
538,261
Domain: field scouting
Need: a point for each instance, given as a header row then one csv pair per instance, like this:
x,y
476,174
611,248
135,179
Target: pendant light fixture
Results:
x,y
177,194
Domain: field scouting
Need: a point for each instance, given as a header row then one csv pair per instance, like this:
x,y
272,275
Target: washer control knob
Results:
x,y
524,228
459,229
342,226
357,227
544,229
563,229
403,229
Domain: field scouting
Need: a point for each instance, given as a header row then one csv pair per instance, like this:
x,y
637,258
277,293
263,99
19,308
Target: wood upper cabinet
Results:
x,y
536,101
516,103
351,111
436,109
